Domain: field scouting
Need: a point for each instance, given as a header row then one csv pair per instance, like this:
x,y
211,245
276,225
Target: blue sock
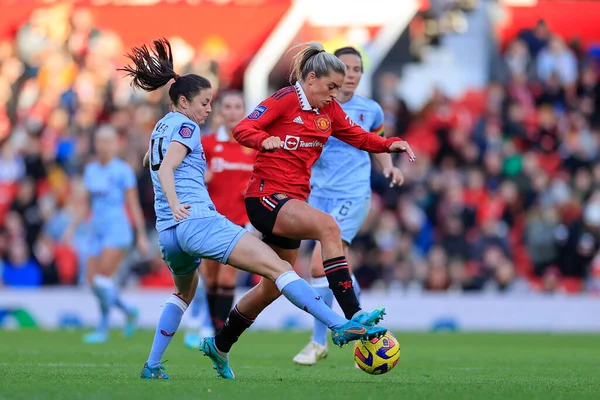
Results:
x,y
321,285
303,296
356,287
167,326
118,301
103,288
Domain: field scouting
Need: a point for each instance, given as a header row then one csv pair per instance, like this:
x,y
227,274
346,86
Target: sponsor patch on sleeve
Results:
x,y
257,113
187,130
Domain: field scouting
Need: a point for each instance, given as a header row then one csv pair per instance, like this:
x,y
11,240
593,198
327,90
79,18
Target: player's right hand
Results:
x,y
272,144
402,146
180,212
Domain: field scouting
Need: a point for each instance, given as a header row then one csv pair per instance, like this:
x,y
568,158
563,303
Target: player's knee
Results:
x,y
277,268
329,230
227,276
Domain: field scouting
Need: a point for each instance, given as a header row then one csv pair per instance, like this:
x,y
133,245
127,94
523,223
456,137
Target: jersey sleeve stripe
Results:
x,y
278,95
379,131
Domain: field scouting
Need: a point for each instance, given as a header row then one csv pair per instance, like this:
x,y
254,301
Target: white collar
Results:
x,y
304,104
222,135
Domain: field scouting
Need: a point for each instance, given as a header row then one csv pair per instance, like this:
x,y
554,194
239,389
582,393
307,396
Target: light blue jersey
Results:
x,y
343,171
189,176
107,186
204,233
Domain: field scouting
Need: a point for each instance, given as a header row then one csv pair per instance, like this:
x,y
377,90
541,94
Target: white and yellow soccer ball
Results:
x,y
377,356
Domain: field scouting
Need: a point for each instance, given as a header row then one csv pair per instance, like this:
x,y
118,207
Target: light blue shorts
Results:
x,y
183,246
111,236
350,213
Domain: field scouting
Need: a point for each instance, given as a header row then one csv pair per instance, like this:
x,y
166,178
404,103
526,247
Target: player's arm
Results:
x,y
347,131
251,131
133,203
146,160
385,159
176,152
208,174
183,141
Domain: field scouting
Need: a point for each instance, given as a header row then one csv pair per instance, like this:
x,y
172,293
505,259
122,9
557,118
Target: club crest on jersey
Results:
x,y
186,130
257,113
322,123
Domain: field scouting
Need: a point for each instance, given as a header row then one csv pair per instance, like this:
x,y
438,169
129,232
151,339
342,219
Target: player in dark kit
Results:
x,y
289,130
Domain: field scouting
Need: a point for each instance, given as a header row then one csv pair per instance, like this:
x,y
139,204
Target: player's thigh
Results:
x,y
227,276
212,238
210,272
179,262
350,214
298,220
252,255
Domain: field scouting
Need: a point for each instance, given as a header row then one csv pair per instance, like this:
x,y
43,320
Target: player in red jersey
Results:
x,y
289,130
229,169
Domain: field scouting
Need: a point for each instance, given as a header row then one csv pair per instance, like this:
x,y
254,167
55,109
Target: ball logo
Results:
x,y
291,142
322,123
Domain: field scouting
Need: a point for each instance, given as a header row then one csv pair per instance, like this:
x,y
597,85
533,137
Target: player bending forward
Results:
x,y
341,187
294,124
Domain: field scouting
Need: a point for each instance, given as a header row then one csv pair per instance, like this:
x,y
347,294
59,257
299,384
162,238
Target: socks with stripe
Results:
x,y
233,328
340,282
169,321
223,303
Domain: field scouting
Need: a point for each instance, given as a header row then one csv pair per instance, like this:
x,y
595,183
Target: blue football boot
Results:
x,y
220,360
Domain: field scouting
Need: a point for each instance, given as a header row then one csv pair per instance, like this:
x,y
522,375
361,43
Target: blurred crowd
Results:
x,y
504,197
505,194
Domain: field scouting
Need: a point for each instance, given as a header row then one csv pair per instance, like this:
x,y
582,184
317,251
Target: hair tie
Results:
x,y
176,77
322,51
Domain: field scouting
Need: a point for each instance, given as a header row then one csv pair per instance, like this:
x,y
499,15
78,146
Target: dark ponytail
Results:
x,y
153,69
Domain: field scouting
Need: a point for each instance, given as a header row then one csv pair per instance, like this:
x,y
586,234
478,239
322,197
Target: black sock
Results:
x,y
223,304
211,298
340,282
233,328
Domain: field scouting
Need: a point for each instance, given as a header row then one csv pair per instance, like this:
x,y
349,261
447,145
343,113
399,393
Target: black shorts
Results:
x,y
262,212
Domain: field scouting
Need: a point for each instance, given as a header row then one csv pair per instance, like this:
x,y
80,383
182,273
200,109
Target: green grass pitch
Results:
x,y
57,365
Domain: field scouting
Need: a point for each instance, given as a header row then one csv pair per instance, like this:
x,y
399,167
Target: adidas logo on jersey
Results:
x,y
298,120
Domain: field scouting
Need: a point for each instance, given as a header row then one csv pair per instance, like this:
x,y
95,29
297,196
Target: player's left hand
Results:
x,y
402,146
143,245
395,174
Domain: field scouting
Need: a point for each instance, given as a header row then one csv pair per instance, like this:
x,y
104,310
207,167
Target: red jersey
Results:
x,y
304,131
231,166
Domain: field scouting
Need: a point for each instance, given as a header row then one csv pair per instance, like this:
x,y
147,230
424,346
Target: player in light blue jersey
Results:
x,y
189,228
111,185
341,186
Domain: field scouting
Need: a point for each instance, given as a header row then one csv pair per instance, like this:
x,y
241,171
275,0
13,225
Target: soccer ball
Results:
x,y
377,356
